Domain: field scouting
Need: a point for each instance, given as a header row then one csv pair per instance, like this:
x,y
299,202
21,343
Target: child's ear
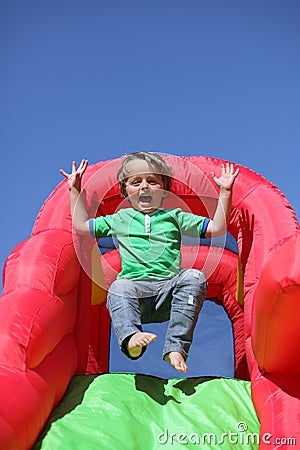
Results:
x,y
165,194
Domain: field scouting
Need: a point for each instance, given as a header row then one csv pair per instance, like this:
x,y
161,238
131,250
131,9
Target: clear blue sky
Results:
x,y
96,79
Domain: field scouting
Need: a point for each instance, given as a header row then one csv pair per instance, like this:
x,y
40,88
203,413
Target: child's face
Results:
x,y
145,189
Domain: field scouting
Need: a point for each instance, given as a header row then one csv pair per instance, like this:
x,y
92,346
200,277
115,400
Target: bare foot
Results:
x,y
177,361
138,341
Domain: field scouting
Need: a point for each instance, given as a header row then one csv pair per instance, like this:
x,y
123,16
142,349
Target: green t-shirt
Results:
x,y
149,243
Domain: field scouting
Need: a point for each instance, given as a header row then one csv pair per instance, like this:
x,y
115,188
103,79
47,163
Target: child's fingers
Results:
x,y
236,172
65,174
83,165
229,168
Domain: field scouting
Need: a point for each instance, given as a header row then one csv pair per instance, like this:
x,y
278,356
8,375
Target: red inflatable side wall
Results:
x,y
49,330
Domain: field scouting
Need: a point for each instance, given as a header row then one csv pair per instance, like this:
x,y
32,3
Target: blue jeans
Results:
x,y
179,300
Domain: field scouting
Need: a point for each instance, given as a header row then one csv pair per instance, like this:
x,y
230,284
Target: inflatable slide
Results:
x,y
55,330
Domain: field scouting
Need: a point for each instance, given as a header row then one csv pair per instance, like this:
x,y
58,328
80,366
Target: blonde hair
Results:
x,y
154,161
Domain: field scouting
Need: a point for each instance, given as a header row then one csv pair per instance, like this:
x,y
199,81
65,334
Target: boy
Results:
x,y
152,287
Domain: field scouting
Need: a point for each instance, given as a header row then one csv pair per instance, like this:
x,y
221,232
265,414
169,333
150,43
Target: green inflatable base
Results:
x,y
119,411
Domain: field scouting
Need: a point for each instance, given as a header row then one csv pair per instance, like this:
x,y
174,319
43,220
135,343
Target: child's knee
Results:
x,y
122,287
193,277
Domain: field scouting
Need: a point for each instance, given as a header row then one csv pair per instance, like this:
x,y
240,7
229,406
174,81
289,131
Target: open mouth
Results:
x,y
145,198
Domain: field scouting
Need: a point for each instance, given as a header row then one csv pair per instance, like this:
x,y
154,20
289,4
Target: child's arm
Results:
x,y
218,225
80,218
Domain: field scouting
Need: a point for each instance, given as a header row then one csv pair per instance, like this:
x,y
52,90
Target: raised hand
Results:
x,y
227,178
74,178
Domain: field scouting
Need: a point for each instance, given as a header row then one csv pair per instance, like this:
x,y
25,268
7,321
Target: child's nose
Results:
x,y
144,184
